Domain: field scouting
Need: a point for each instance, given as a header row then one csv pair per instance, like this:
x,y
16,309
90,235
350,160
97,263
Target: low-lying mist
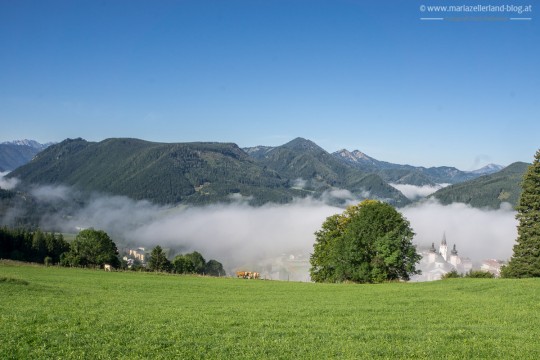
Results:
x,y
7,183
414,192
478,233
237,233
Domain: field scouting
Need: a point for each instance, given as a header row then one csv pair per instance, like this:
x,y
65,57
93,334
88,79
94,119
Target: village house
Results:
x,y
138,254
493,266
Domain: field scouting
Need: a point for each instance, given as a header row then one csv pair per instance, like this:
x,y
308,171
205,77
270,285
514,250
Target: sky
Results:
x,y
355,74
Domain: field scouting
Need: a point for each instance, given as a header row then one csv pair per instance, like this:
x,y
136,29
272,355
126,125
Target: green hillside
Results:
x,y
488,190
303,159
195,173
198,173
67,313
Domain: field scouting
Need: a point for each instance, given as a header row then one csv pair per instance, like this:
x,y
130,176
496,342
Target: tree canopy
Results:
x,y
368,243
194,263
214,268
92,248
525,261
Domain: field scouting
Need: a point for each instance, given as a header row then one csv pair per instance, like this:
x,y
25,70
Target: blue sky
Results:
x,y
367,75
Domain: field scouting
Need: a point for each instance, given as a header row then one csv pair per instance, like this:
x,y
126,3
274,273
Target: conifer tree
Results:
x,y
158,261
525,261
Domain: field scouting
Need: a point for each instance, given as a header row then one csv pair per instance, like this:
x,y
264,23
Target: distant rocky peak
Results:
x,y
31,143
354,156
488,169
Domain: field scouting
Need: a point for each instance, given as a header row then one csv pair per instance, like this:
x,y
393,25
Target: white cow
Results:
x,y
107,267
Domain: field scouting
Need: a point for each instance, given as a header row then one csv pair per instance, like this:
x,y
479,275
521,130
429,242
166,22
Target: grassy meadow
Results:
x,y
51,312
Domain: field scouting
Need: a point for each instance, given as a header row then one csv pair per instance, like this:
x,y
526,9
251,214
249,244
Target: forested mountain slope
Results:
x,y
195,173
199,173
488,190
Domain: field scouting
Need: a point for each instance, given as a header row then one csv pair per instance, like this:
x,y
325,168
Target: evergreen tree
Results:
x,y
158,261
525,261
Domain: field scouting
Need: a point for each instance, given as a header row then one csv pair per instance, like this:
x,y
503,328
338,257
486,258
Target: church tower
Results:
x,y
443,250
454,258
432,254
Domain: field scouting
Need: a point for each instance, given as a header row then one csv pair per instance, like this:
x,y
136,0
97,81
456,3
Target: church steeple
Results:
x,y
443,249
454,251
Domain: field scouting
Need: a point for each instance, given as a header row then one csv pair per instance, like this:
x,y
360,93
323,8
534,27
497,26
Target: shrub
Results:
x,y
452,275
479,274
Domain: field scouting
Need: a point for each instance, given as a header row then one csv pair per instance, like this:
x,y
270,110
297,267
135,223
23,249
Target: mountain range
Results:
x,y
413,175
16,153
204,173
199,173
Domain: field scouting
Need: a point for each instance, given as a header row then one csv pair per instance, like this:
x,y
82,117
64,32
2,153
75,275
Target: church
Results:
x,y
435,264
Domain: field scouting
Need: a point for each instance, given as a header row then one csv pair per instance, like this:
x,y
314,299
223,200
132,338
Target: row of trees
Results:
x,y
93,248
32,246
192,263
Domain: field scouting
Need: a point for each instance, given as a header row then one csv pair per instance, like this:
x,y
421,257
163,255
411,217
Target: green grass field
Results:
x,y
65,313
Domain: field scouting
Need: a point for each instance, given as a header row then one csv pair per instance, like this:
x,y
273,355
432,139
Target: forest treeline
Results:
x,y
32,246
93,248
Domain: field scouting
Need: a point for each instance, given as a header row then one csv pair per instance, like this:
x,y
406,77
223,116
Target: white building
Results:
x,y
138,254
493,266
436,263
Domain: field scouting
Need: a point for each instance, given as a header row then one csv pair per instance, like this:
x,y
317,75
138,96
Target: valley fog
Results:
x,y
237,234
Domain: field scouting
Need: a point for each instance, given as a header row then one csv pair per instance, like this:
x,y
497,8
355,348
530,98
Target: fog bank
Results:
x,y
477,233
414,192
7,184
237,233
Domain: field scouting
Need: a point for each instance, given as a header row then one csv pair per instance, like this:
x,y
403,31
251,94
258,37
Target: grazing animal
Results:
x,y
248,275
107,267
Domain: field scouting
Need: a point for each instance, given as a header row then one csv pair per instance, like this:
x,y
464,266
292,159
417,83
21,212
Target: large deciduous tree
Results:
x,y
198,262
525,261
92,248
182,265
368,243
194,263
214,268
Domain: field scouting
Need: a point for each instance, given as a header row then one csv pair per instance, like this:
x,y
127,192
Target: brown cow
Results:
x,y
248,275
